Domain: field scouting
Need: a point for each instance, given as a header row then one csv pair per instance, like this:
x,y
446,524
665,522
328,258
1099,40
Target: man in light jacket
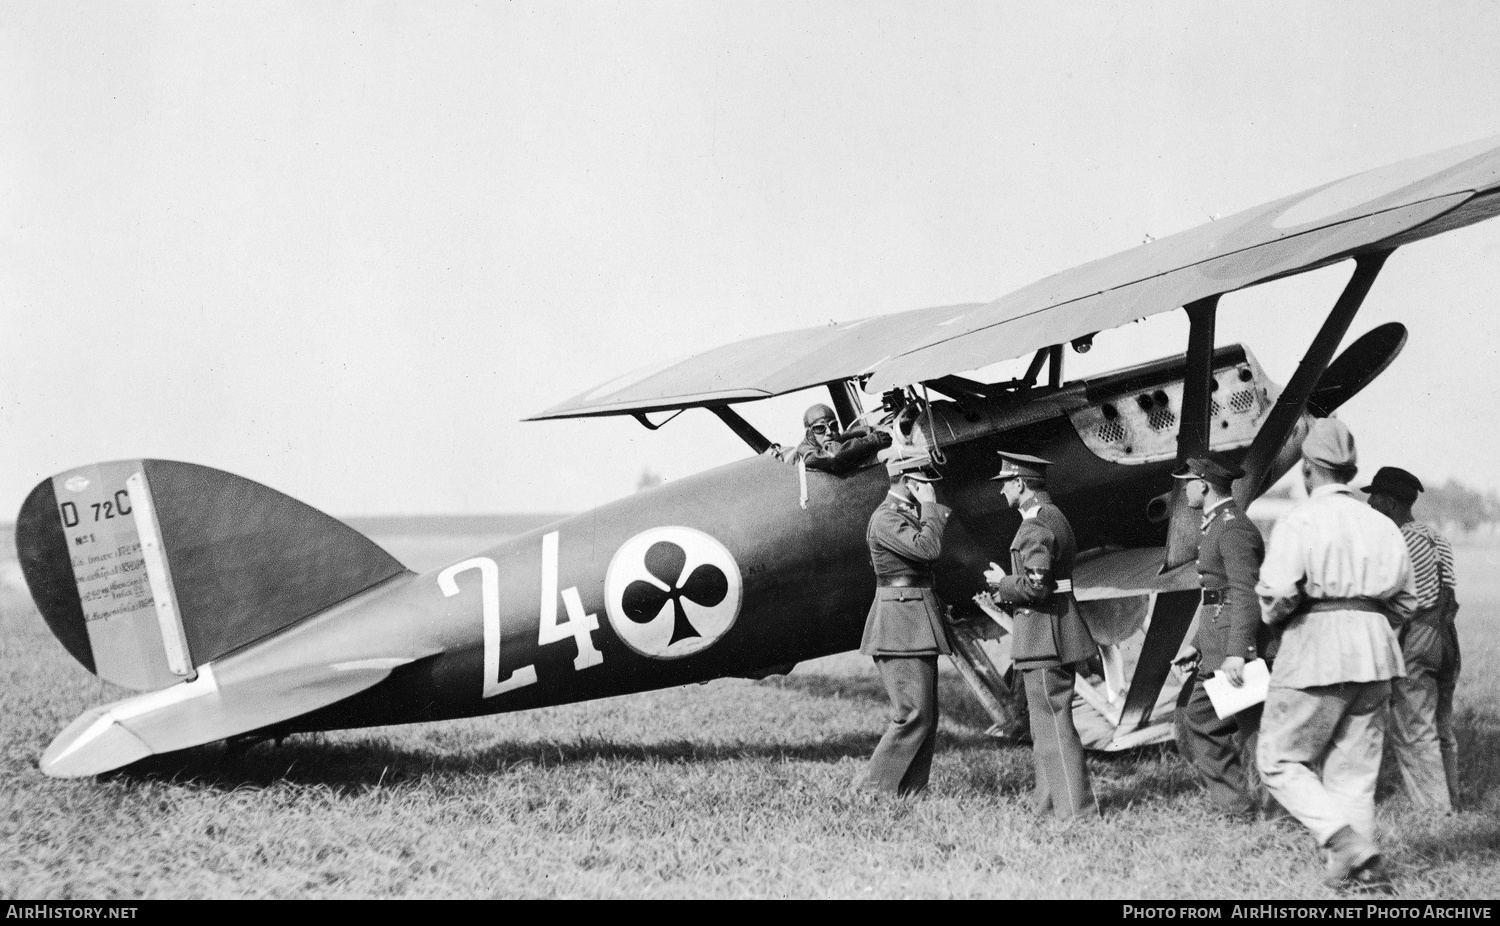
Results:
x,y
1337,574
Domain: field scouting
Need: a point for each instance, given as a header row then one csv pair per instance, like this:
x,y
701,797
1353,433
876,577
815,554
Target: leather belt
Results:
x,y
1213,596
903,582
1346,604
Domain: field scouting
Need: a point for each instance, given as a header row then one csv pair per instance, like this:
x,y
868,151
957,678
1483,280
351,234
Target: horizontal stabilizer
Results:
x,y
201,711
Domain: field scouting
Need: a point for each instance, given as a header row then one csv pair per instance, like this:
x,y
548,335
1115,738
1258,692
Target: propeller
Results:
x,y
1356,368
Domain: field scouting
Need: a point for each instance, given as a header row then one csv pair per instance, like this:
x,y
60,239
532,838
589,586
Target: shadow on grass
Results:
x,y
1142,775
355,766
1150,774
837,687
1450,847
1478,738
350,767
956,701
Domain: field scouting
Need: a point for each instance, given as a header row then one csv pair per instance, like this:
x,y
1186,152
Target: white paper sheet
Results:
x,y
1228,699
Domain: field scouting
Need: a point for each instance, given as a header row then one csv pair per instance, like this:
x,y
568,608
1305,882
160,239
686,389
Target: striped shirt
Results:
x,y
1429,551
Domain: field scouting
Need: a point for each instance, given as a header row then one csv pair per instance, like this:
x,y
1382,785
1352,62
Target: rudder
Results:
x,y
146,569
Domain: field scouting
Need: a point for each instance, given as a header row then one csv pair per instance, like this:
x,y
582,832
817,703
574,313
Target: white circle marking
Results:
x,y
1369,186
674,615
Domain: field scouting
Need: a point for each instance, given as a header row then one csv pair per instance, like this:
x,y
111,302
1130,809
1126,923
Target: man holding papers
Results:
x,y
1229,635
1337,573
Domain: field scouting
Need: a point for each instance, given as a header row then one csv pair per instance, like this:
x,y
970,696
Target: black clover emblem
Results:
x,y
644,601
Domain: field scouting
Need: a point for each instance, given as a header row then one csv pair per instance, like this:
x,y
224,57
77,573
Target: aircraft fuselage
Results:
x,y
726,573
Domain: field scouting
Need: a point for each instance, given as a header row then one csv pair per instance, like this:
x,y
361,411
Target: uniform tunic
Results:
x,y
904,632
1229,555
1049,638
1334,569
904,543
1048,628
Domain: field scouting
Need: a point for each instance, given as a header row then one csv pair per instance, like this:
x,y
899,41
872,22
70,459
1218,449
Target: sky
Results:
x,y
343,248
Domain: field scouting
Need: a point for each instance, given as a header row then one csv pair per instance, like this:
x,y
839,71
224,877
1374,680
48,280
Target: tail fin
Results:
x,y
147,569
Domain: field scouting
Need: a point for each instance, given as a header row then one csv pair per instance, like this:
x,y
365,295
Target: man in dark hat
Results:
x,y
1421,722
1050,638
1229,630
825,448
904,629
1336,574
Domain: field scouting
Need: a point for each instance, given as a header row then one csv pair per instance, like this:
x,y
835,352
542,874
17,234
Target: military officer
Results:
x,y
1050,638
1229,628
904,629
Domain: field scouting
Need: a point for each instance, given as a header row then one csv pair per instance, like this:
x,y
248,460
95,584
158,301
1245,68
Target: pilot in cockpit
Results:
x,y
830,450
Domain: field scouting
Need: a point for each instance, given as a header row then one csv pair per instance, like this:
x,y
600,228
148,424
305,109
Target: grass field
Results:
x,y
730,789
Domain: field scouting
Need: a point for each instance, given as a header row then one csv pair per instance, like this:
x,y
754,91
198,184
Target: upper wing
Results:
x,y
762,367
1378,209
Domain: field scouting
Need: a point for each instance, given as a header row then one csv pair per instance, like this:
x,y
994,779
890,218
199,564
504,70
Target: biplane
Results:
x,y
236,611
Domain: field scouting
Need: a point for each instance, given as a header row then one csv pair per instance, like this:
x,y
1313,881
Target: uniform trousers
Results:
x,y
1215,746
1062,779
1421,722
1319,753
903,760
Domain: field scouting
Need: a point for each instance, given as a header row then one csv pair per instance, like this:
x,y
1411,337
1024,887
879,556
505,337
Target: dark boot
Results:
x,y
1350,856
1450,771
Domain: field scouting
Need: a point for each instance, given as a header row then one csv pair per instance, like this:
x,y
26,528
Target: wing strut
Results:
x,y
1293,399
743,428
1171,616
845,395
1193,435
649,425
960,388
1055,366
1193,432
1035,368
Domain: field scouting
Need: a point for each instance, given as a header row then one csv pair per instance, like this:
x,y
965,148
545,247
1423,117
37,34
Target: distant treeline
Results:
x,y
1458,508
474,524
1453,508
